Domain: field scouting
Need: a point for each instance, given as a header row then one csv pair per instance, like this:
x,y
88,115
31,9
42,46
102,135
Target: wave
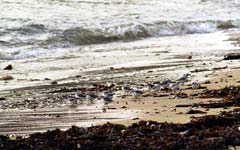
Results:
x,y
34,46
85,36
126,32
25,30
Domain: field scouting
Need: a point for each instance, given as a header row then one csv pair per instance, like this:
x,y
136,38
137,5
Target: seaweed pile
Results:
x,y
230,97
208,132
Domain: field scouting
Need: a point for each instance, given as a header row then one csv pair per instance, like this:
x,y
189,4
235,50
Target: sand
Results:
x,y
122,110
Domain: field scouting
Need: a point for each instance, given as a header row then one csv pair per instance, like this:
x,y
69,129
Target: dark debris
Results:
x,y
208,132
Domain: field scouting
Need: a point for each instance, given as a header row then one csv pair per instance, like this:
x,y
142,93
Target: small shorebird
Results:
x,y
195,85
72,99
107,96
136,93
156,88
126,89
175,87
165,84
80,96
183,79
91,96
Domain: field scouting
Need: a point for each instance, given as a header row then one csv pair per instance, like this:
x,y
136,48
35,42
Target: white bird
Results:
x,y
156,88
165,84
72,100
80,96
107,96
136,93
126,89
183,79
91,96
175,87
195,86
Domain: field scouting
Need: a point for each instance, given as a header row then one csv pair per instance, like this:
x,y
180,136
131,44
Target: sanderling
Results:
x,y
107,96
165,84
183,79
175,87
91,96
136,93
80,96
195,86
72,99
126,89
155,88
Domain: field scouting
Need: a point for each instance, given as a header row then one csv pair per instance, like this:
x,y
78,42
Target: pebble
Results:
x,y
7,77
8,67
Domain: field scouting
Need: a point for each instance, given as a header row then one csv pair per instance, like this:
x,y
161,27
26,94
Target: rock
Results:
x,y
8,67
191,111
220,68
78,76
54,82
111,108
188,66
232,56
7,77
2,98
199,70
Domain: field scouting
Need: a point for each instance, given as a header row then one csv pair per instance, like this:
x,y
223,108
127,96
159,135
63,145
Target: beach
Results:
x,y
49,51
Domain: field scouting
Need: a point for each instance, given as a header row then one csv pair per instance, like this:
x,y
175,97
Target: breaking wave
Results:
x,y
28,35
25,30
125,32
84,36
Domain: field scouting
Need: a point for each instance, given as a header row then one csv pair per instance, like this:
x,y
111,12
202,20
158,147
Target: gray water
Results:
x,y
31,28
